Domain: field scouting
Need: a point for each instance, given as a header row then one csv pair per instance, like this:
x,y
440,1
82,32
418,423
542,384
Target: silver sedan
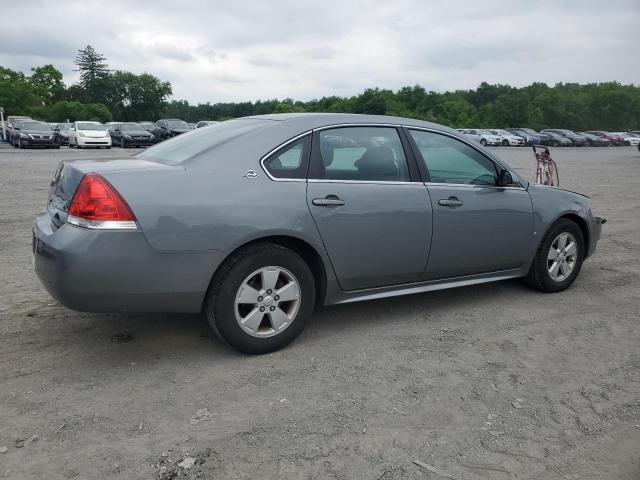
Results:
x,y
260,220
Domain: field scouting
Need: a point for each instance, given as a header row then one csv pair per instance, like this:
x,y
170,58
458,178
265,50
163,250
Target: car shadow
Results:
x,y
108,340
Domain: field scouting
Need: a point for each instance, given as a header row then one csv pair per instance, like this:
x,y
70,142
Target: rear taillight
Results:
x,y
96,204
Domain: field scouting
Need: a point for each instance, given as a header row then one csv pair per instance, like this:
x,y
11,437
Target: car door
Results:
x,y
369,205
478,226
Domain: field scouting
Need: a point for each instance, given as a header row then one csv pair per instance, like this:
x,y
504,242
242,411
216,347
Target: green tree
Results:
x,y
134,97
94,73
47,83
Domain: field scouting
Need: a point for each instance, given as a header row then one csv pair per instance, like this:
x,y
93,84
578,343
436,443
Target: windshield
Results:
x,y
91,126
486,132
130,128
177,124
64,126
186,146
36,126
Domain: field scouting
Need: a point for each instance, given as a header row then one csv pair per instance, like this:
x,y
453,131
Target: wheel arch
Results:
x,y
582,224
303,248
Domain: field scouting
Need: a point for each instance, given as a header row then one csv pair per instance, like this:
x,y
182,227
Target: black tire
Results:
x,y
483,142
122,143
220,300
627,144
538,276
556,143
505,143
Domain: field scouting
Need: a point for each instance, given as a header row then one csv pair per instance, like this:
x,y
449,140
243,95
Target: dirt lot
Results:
x,y
487,382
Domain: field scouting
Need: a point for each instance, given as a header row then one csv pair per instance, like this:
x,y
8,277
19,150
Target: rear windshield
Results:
x,y
188,145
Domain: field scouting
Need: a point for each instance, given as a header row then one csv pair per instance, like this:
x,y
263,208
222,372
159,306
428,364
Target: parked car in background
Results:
x,y
528,139
32,133
205,123
259,240
616,140
542,137
508,138
192,126
576,140
483,137
89,134
630,139
170,127
556,140
62,130
129,134
11,120
594,140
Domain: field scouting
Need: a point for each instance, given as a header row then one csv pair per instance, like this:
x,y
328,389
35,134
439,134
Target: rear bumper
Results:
x,y
117,271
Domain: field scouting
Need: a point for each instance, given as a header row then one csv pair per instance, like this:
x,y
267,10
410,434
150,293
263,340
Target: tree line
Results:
x,y
103,94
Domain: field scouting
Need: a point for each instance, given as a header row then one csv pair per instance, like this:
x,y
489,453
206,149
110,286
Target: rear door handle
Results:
x,y
328,201
450,202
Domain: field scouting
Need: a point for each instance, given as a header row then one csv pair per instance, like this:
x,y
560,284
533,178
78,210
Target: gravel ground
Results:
x,y
488,382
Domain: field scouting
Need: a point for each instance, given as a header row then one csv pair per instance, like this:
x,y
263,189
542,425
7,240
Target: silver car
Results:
x,y
260,220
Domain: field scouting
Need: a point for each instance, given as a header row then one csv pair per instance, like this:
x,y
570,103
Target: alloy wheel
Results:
x,y
562,257
267,301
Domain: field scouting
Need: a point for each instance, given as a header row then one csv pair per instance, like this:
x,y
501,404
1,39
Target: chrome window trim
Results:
x,y
392,125
377,182
470,185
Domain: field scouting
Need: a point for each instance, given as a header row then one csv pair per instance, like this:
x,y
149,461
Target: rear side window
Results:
x,y
290,161
448,160
361,154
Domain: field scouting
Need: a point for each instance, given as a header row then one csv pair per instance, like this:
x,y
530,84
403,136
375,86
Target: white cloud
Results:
x,y
224,51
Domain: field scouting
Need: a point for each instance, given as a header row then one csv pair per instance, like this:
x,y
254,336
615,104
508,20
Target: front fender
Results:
x,y
550,204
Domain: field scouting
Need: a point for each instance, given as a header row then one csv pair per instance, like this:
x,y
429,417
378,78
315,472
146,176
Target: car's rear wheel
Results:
x,y
260,298
559,257
505,143
483,142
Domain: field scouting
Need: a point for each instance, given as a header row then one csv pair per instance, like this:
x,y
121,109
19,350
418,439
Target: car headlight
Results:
x,y
128,137
152,136
82,134
24,135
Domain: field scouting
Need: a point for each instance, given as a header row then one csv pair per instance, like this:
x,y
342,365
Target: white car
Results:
x,y
507,138
630,139
89,134
484,137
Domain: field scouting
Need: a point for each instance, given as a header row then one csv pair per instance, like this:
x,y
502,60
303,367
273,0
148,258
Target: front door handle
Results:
x,y
328,201
450,202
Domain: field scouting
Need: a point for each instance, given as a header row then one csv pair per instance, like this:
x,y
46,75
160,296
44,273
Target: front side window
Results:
x,y
361,154
448,160
290,161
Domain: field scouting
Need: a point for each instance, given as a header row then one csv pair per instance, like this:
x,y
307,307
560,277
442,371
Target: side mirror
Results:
x,y
505,179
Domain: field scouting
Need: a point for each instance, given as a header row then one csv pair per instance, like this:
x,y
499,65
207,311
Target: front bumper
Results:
x,y
138,142
595,231
35,142
94,142
118,271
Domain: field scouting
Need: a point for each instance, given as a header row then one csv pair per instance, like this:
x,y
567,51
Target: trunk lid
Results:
x,y
69,174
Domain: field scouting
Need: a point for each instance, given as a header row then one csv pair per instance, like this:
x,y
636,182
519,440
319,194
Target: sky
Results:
x,y
219,51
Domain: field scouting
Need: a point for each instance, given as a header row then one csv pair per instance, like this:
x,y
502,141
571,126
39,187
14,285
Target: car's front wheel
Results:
x,y
559,257
260,298
483,142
